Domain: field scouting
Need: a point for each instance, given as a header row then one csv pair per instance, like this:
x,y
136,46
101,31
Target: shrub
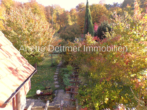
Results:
x,y
66,80
65,73
103,28
114,77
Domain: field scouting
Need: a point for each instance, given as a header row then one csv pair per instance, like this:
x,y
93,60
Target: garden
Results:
x,y
44,79
104,65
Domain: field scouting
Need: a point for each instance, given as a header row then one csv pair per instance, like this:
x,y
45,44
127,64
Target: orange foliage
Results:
x,y
80,20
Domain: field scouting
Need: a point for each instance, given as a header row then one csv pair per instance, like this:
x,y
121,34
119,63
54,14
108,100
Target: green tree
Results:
x,y
88,26
105,27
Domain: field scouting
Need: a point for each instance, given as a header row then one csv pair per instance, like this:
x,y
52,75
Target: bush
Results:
x,y
103,28
65,74
66,80
114,77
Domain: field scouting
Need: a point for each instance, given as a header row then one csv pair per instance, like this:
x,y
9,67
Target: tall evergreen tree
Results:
x,y
88,26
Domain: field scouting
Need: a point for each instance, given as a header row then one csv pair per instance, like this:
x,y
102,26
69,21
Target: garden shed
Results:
x,y
15,75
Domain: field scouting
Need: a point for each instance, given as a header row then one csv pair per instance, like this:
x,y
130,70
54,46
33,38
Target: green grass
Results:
x,y
43,77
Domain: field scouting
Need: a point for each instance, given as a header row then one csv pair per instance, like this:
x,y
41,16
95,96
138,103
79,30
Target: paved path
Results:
x,y
60,95
37,102
56,76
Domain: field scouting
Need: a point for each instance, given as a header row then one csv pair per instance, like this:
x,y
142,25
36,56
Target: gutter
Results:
x,y
17,90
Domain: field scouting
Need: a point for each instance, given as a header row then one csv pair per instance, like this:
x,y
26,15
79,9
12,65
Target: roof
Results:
x,y
14,69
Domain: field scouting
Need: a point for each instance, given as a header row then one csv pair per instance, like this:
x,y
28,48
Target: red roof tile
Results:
x,y
14,69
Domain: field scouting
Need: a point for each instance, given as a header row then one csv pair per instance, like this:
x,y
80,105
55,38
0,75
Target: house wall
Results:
x,y
23,91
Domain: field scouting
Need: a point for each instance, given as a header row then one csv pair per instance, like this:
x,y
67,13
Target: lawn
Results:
x,y
44,76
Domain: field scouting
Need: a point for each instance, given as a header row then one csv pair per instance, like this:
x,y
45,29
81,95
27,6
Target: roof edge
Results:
x,y
3,104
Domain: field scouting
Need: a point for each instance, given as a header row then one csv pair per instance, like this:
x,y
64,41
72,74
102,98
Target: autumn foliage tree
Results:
x,y
81,20
97,11
80,7
29,33
70,33
73,14
36,8
137,11
2,11
7,4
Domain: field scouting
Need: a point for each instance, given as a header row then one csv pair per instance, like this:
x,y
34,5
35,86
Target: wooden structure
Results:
x,y
15,75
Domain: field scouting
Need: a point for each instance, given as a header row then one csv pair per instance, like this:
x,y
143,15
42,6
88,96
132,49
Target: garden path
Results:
x,y
60,95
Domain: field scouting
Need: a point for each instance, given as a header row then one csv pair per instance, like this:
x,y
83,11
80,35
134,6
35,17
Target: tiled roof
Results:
x,y
14,69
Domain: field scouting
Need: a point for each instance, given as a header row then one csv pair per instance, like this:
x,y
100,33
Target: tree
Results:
x,y
29,33
118,10
68,19
36,8
88,26
2,11
104,18
127,2
65,19
80,20
129,10
144,5
73,14
108,6
137,12
7,4
80,7
97,11
70,32
54,16
103,28
115,4
141,3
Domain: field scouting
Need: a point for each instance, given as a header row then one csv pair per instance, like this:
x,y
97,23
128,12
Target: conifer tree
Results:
x,y
88,26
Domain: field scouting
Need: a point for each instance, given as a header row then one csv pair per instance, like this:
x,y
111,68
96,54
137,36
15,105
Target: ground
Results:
x,y
44,76
59,93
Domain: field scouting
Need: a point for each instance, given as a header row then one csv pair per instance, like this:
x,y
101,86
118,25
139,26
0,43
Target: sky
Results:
x,y
69,4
